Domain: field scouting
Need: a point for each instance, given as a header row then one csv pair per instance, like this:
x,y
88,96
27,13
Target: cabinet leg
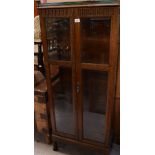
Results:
x,y
55,146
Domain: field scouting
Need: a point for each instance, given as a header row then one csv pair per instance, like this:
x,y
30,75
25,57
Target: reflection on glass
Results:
x,y
94,104
58,38
95,36
62,97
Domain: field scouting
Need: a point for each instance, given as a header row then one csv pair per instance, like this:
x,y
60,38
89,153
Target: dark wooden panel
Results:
x,y
35,9
117,121
60,63
84,143
118,82
91,66
78,12
117,108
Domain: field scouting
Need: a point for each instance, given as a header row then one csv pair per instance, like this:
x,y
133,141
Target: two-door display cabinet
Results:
x,y
80,44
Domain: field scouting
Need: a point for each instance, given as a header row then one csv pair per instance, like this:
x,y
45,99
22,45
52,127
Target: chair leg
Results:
x,y
40,59
55,146
106,152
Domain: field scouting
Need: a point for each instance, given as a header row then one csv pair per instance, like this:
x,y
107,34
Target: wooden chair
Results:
x,y
38,54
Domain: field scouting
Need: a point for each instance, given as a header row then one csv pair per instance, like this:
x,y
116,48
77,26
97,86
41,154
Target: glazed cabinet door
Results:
x,y
58,32
59,55
96,70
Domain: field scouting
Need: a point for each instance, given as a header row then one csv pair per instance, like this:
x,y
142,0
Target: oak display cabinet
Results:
x,y
80,40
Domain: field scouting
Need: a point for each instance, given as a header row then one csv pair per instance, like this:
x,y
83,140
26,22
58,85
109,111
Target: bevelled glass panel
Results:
x,y
95,40
62,99
58,38
94,104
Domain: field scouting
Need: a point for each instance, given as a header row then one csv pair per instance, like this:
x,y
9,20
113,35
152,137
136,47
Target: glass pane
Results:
x,y
95,36
94,104
62,97
58,38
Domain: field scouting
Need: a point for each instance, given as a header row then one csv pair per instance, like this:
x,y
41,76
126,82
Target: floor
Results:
x,y
44,149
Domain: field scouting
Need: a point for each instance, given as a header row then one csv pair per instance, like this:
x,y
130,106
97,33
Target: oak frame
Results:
x,y
72,13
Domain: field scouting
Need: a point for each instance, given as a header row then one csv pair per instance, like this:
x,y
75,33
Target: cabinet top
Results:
x,y
76,3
